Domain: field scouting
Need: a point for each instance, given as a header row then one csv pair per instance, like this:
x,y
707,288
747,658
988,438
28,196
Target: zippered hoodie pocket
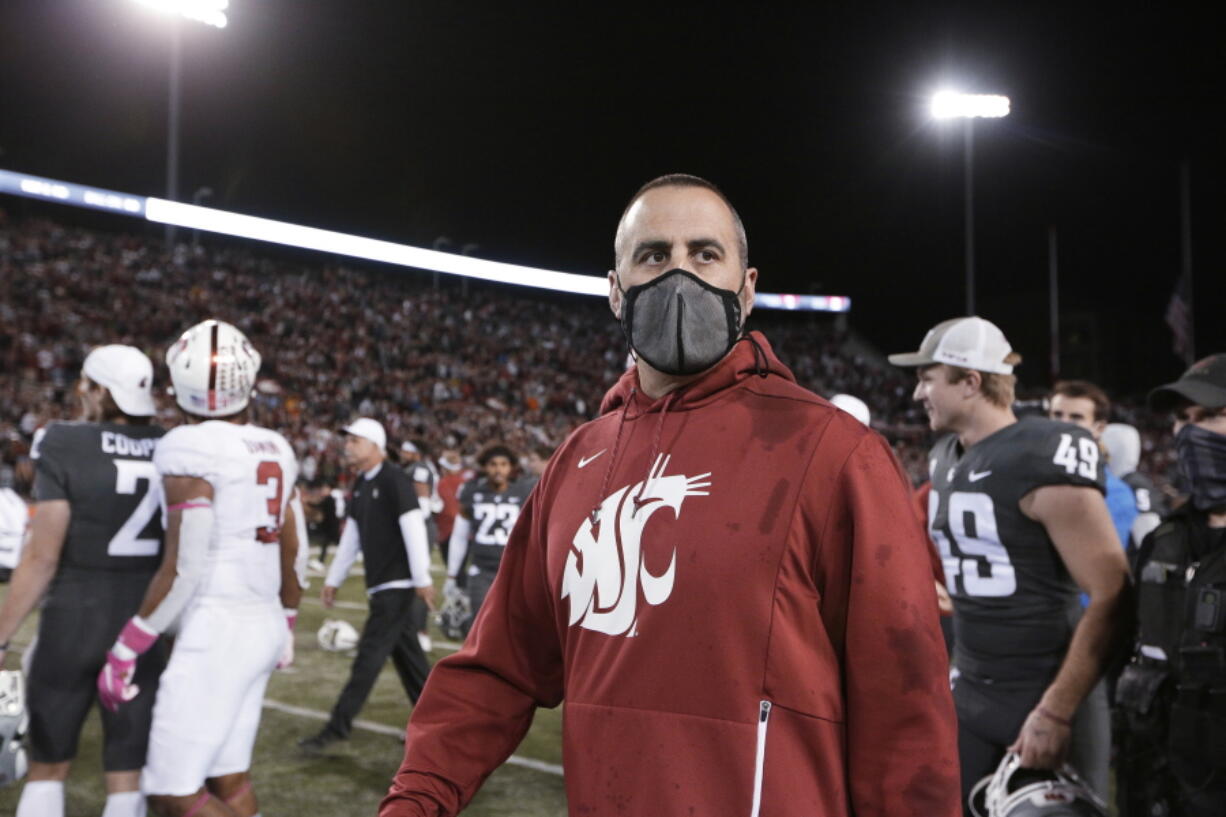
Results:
x,y
759,762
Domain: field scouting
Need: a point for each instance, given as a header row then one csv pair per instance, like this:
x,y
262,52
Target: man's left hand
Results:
x,y
1043,742
427,595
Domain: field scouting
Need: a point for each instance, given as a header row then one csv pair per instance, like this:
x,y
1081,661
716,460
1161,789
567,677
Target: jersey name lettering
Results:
x,y
262,447
115,443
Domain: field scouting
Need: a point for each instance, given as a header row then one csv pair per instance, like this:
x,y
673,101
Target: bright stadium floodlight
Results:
x,y
209,12
969,107
238,225
954,105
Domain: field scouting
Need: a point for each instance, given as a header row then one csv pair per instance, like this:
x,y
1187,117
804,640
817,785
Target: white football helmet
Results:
x,y
455,614
337,635
13,724
212,369
1014,791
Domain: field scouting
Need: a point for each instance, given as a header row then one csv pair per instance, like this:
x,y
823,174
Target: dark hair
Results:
x,y
422,448
496,450
1084,388
689,180
543,451
109,410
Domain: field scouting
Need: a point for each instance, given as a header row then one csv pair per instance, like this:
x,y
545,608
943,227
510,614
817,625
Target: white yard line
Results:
x,y
391,731
449,646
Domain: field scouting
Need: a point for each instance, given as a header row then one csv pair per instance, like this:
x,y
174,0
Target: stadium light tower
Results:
x,y
969,107
211,13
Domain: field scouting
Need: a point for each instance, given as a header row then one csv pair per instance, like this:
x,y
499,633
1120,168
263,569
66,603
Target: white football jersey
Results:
x,y
253,472
14,521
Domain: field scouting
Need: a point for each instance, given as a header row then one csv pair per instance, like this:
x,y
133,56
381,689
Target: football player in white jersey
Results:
x,y
227,586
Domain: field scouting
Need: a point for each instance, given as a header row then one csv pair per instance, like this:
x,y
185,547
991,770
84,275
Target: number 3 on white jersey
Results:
x,y
1001,578
126,541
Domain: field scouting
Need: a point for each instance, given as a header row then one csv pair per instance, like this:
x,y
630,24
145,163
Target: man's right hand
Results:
x,y
328,596
449,588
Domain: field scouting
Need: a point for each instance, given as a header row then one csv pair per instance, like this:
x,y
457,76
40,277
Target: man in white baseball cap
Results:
x,y
368,429
95,542
385,522
127,374
1016,510
971,343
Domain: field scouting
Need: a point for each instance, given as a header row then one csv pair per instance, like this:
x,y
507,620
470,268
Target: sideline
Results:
x,y
391,731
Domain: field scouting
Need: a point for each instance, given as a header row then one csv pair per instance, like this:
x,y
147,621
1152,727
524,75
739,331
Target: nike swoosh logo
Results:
x,y
583,462
975,477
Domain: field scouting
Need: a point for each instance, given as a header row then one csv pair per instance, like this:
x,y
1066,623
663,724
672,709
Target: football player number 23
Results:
x,y
269,471
127,540
976,557
497,519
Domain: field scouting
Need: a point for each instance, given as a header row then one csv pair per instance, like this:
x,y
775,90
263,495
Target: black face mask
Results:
x,y
1202,464
679,323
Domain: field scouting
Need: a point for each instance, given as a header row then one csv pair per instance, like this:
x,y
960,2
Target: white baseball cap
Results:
x,y
852,405
368,429
127,373
971,343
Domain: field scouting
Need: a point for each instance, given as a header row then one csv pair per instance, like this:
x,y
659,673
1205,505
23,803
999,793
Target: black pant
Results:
x,y
989,719
83,614
389,630
478,588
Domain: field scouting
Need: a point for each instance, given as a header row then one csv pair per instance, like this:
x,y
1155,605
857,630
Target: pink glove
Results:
x,y
287,654
115,680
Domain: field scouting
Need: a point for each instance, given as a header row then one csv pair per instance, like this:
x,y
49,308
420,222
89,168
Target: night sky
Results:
x,y
523,128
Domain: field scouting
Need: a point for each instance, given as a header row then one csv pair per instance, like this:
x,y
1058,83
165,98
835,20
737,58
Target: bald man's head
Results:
x,y
681,180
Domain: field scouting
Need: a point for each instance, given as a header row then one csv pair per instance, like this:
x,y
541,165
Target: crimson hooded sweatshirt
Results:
x,y
730,590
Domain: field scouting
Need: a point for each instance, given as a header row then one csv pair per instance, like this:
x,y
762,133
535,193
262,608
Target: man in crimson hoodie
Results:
x,y
722,576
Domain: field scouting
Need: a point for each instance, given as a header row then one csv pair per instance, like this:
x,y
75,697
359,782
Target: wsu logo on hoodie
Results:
x,y
605,569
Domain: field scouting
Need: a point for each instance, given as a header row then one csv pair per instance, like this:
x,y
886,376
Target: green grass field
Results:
x,y
352,776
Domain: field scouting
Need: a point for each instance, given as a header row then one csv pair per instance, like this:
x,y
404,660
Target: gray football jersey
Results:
x,y
105,472
493,514
1148,497
1015,604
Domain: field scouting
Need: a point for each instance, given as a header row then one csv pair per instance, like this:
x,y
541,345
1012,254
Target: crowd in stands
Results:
x,y
453,364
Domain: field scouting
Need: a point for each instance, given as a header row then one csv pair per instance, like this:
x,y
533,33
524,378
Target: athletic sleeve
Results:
x,y
478,703
1062,454
406,494
51,475
421,474
878,603
465,497
186,451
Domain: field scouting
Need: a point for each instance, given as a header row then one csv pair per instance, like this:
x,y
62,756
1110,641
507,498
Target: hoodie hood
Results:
x,y
1123,444
752,356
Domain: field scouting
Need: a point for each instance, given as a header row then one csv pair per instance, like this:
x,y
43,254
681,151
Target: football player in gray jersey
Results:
x,y
1017,511
489,507
96,542
1123,445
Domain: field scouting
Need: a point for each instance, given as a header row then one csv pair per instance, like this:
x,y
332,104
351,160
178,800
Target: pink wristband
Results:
x,y
136,638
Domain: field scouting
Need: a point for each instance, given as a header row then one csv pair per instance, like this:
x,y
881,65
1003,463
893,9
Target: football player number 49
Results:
x,y
127,541
981,562
1080,459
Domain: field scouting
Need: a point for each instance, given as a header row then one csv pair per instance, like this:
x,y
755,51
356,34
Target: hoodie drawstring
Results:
x,y
760,361
608,471
655,450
